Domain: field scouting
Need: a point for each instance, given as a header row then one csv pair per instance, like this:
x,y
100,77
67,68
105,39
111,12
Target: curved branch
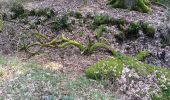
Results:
x,y
103,45
73,42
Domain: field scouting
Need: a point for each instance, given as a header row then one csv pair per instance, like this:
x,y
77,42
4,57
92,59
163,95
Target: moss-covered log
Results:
x,y
138,5
45,41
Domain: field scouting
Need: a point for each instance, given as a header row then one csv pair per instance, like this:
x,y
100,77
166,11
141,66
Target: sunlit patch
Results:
x,y
2,72
19,70
53,66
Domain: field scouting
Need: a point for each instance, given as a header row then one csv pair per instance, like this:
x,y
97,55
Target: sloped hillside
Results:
x,y
84,49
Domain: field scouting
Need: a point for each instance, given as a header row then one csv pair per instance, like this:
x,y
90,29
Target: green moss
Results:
x,y
104,69
108,67
116,3
142,6
138,5
141,68
141,55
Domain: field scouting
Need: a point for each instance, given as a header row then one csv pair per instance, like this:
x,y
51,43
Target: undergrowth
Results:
x,y
141,55
39,82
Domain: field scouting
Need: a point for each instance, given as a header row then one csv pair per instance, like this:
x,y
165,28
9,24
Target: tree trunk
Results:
x,y
138,5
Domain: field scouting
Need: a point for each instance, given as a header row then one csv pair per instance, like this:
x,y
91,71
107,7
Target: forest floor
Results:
x,y
36,79
158,18
58,74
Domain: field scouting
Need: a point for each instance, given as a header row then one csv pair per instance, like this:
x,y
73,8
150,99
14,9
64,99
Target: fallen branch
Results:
x,y
64,42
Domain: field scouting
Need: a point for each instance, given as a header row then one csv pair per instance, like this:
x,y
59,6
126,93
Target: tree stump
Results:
x,y
138,5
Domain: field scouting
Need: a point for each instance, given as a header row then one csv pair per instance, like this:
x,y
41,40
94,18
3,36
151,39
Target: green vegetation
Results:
x,y
31,79
109,68
60,23
42,80
75,14
118,22
141,55
107,20
46,41
101,20
138,5
148,29
18,10
100,31
112,69
133,30
128,30
21,13
165,38
165,94
141,68
42,12
81,34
